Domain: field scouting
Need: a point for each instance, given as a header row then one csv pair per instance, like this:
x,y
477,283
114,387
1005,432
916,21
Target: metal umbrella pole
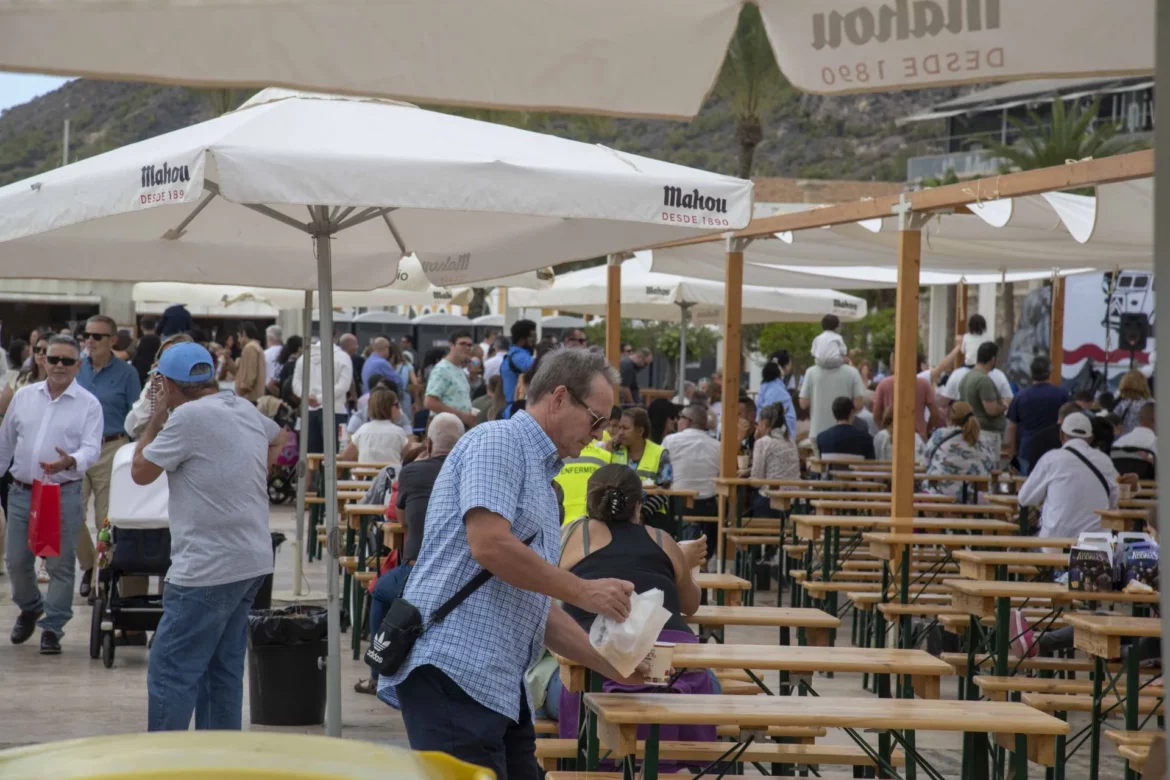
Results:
x,y
299,546
682,349
322,235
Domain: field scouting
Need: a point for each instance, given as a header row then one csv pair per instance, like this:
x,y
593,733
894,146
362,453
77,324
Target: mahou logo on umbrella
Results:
x,y
711,209
158,175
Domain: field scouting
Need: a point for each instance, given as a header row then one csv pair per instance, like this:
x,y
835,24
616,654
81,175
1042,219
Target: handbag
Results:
x,y
403,625
44,519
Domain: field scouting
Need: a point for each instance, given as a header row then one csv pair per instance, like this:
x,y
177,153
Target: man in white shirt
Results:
x,y
342,379
1067,486
275,343
694,457
53,433
491,366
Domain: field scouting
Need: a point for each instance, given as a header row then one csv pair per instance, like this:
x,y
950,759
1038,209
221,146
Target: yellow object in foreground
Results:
x,y
228,755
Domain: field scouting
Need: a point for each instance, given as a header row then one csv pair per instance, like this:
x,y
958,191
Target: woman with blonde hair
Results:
x,y
1133,393
956,450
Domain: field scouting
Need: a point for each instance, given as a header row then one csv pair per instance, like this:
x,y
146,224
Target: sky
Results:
x,y
17,88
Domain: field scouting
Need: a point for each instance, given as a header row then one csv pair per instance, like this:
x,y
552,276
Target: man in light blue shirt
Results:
x,y
378,365
493,507
116,385
772,391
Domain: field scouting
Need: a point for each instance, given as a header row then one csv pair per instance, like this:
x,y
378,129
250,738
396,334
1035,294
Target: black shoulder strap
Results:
x,y
465,592
948,437
1092,468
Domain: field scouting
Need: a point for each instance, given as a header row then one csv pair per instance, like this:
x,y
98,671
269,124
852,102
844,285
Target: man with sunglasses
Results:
x,y
53,433
116,385
574,338
493,507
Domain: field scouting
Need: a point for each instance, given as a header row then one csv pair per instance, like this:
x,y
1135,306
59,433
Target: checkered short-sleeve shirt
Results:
x,y
488,642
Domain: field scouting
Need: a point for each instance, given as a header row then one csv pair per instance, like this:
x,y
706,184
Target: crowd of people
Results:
x,y
508,456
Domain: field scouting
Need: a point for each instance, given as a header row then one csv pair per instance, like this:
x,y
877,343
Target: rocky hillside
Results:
x,y
806,136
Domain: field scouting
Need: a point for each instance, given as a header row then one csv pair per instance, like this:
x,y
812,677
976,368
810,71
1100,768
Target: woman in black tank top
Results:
x,y
610,541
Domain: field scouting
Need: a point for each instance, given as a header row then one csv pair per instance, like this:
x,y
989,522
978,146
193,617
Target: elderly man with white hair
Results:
x,y
415,483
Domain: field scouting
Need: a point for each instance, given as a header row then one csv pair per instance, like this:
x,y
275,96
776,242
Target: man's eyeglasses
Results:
x,y
54,360
599,420
96,336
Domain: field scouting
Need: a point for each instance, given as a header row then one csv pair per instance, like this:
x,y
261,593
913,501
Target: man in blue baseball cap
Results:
x,y
216,449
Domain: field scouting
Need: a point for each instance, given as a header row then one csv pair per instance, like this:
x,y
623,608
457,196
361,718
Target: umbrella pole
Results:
x,y
303,444
1162,249
321,239
613,311
682,348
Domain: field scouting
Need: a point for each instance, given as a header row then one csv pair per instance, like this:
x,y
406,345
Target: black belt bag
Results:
x,y
403,625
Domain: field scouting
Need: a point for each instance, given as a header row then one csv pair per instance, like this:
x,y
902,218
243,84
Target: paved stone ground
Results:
x,y
51,698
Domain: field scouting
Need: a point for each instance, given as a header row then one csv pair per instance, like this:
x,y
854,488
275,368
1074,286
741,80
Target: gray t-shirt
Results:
x,y
215,453
824,385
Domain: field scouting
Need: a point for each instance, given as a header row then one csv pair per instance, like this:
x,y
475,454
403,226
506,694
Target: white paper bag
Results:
x,y
626,644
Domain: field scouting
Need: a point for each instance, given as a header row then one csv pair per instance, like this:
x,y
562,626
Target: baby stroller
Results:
x,y
282,477
135,541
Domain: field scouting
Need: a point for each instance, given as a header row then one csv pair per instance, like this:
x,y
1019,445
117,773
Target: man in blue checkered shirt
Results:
x,y
462,688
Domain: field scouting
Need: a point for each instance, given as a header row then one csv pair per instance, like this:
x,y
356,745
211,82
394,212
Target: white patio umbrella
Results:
x,y
649,295
627,57
224,295
306,189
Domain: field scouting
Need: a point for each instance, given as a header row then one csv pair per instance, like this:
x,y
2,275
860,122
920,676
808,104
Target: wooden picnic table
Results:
x,y
816,625
920,506
1031,732
1123,519
810,527
990,565
886,546
723,484
782,499
727,587
1100,636
688,496
821,465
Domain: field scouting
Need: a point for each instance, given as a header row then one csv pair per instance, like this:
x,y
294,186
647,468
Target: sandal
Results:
x,y
369,686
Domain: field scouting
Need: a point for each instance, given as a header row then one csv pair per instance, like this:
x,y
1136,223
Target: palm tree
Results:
x,y
1071,135
750,82
220,101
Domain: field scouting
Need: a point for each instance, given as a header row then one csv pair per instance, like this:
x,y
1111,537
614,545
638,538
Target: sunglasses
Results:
x,y
599,420
38,350
54,360
96,336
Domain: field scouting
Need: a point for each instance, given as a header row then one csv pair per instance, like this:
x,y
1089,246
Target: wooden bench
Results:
x,y
1056,702
1136,755
1119,737
1038,663
998,688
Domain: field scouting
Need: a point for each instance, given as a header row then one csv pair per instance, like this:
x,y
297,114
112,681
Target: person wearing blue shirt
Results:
x,y
772,391
378,365
1035,408
520,356
117,386
494,508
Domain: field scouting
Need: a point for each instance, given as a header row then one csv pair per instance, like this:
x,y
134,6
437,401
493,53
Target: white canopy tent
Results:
x,y
229,296
226,201
633,58
649,295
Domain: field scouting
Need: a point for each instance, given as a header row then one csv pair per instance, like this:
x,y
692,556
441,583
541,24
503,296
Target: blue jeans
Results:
x,y
197,661
388,588
58,604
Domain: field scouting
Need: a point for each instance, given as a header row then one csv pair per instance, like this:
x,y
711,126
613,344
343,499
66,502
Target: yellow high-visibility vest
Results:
x,y
648,466
574,478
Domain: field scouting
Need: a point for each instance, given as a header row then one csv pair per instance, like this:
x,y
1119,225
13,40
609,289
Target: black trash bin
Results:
x,y
286,684
263,598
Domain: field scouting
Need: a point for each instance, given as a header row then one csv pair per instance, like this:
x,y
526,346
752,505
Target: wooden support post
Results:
x,y
905,377
1056,337
732,364
961,309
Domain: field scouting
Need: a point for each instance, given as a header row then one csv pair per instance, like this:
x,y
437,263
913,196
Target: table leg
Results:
x,y
1020,763
650,760
1095,734
785,640
1132,663
592,746
1003,608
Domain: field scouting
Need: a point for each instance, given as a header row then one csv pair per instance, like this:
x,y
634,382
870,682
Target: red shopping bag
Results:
x,y
44,520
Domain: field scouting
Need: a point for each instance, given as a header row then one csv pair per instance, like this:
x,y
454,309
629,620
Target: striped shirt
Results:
x,y
488,642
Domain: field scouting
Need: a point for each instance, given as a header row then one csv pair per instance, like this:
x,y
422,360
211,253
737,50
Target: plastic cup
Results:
x,y
660,659
744,462
1124,491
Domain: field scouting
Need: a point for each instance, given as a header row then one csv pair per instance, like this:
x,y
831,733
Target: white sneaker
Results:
x,y
42,571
